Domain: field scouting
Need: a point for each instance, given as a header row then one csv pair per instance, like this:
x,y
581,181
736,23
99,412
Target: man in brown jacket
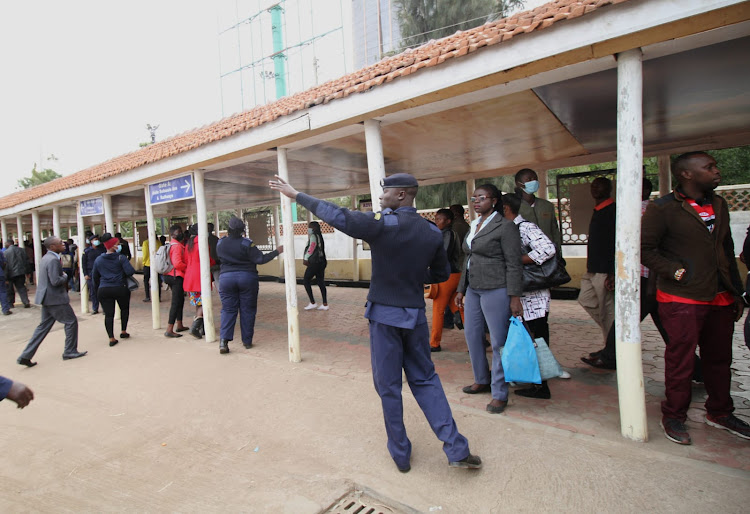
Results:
x,y
686,241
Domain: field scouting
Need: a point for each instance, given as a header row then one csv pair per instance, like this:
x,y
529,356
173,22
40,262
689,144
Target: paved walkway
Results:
x,y
158,424
336,342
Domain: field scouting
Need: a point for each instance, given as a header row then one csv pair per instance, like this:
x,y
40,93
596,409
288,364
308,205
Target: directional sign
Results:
x,y
172,190
92,207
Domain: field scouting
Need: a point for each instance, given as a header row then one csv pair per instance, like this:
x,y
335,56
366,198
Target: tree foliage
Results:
x,y
38,177
423,20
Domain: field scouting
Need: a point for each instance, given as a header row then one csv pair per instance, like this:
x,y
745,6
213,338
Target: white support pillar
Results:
x,y
154,285
4,225
277,237
19,225
36,235
290,272
56,221
134,250
470,187
375,159
109,221
355,247
84,288
633,423
665,174
205,257
543,186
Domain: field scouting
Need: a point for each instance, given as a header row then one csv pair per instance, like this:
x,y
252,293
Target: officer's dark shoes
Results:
x,y
476,388
470,462
437,348
247,346
404,469
224,346
25,362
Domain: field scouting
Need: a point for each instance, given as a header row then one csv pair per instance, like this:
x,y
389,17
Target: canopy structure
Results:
x,y
570,82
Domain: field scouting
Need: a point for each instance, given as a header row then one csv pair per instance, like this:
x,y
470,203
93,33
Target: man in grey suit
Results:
x,y
52,295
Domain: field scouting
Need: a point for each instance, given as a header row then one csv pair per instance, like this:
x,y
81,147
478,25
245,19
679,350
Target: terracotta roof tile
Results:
x,y
406,63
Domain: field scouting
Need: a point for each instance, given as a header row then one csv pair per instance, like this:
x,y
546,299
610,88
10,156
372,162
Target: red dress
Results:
x,y
192,282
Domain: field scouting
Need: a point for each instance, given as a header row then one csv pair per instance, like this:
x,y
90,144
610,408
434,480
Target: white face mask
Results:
x,y
310,231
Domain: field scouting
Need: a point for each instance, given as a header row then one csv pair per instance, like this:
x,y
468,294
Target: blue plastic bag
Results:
x,y
519,358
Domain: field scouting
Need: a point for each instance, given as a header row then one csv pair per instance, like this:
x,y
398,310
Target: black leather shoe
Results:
x,y
26,362
181,329
94,312
112,343
171,334
7,313
483,388
224,346
540,392
405,469
26,305
146,300
74,355
195,328
434,349
124,335
248,345
470,462
597,362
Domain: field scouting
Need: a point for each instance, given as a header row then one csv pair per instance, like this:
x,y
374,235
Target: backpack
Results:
x,y
162,262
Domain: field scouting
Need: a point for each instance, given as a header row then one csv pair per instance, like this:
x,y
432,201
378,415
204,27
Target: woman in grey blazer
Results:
x,y
490,289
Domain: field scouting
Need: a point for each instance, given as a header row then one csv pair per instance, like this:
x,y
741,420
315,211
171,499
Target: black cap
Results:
x,y
236,223
399,180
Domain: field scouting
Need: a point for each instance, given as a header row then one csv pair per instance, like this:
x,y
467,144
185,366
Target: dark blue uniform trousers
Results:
x,y
239,293
391,349
4,295
92,295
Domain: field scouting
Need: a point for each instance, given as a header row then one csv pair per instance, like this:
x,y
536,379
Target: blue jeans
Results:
x,y
239,294
493,307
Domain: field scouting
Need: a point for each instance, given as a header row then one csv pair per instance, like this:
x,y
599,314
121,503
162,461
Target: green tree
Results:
x,y
38,177
423,20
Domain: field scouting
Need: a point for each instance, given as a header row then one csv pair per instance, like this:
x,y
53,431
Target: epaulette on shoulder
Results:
x,y
247,243
378,215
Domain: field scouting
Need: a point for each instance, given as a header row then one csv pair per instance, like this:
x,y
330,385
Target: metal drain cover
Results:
x,y
358,502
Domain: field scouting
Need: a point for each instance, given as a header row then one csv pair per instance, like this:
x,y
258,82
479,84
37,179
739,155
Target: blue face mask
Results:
x,y
531,187
95,242
119,248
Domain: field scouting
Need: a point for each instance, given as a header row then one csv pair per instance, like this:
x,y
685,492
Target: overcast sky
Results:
x,y
82,78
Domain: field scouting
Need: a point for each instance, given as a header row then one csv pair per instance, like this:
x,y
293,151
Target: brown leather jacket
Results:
x,y
674,236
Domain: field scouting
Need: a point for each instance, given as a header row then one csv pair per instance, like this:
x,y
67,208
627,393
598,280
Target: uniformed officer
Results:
x,y
238,287
407,252
90,255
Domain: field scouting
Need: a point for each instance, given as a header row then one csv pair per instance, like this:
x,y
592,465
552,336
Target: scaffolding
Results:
x,y
272,48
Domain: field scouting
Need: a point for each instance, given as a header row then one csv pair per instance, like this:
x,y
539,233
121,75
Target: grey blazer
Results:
x,y
495,258
52,288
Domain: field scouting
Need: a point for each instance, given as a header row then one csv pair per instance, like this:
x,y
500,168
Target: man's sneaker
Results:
x,y
470,462
730,422
311,306
323,308
675,430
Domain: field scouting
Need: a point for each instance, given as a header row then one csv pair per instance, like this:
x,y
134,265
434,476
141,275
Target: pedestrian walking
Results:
x,y
17,265
6,305
406,250
315,262
52,295
174,279
239,283
109,276
90,255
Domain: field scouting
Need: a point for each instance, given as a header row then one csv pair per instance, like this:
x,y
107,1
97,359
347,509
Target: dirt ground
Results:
x,y
159,425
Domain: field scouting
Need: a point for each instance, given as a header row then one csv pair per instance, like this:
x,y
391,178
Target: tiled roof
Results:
x,y
411,61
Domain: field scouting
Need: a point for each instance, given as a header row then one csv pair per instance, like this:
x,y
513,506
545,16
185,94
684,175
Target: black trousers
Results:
x,y
319,272
17,283
178,298
107,298
147,281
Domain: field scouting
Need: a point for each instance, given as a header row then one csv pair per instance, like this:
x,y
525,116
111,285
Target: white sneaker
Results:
x,y
311,306
565,374
323,308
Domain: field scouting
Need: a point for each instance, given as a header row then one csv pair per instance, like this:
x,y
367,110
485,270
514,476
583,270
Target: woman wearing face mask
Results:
x,y
489,290
314,259
175,279
192,281
90,255
108,276
537,210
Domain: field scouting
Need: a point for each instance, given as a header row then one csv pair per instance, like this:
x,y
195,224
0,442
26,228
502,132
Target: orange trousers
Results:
x,y
446,297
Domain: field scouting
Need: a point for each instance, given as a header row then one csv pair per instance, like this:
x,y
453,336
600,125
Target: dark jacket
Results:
x,y
494,259
110,270
90,255
674,236
240,254
17,262
600,251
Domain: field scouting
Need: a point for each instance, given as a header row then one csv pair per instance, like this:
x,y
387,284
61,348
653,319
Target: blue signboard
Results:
x,y
92,207
172,190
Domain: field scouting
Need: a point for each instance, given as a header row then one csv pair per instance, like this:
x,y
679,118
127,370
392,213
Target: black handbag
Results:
x,y
551,273
132,283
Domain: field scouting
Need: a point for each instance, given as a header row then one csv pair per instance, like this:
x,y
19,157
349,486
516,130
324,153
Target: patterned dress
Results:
x,y
540,249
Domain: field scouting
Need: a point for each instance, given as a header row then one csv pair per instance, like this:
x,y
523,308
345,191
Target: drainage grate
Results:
x,y
357,502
